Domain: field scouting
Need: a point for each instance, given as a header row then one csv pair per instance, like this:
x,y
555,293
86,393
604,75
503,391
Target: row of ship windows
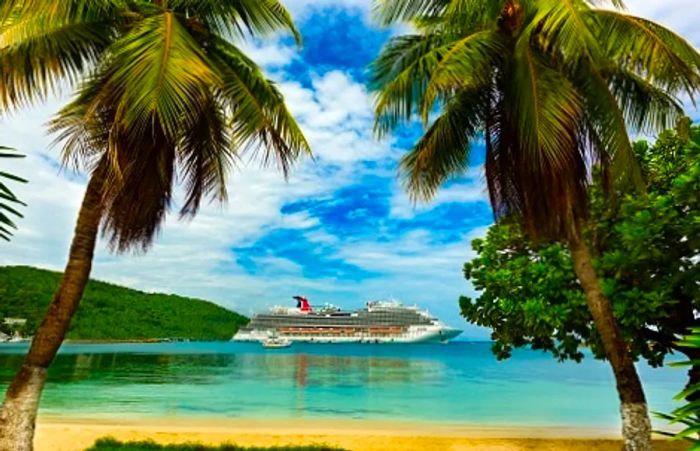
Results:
x,y
332,321
345,332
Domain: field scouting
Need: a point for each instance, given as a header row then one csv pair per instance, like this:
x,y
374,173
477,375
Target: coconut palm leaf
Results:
x,y
260,119
388,12
563,24
687,414
8,200
556,73
206,155
239,18
649,49
401,74
462,64
646,107
443,152
82,128
46,48
159,69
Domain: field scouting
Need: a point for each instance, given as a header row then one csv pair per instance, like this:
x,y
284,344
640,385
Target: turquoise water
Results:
x,y
458,383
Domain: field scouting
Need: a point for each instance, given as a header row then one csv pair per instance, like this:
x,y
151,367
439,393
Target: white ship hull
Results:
x,y
414,334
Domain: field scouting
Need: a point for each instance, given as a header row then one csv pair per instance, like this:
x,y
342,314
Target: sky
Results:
x,y
339,230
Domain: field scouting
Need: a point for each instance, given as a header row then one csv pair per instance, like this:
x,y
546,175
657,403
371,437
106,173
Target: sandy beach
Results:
x,y
61,434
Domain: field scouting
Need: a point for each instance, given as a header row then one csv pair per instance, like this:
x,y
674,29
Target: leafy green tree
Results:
x,y
551,86
163,93
646,250
8,200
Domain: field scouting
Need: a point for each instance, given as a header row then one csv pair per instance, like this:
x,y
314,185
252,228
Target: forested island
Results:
x,y
110,312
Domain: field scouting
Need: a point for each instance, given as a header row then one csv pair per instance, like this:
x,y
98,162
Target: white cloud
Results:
x,y
471,188
679,15
336,116
271,55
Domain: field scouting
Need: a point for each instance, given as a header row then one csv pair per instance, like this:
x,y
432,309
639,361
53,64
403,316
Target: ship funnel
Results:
x,y
302,303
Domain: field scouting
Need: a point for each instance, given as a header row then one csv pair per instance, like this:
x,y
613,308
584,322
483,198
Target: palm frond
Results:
x,y
649,50
563,24
607,125
400,75
7,197
537,169
158,68
388,12
463,64
161,92
41,50
206,155
646,107
547,109
261,122
82,128
137,201
444,149
58,9
240,18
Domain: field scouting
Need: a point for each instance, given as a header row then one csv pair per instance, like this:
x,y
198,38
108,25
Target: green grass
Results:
x,y
109,444
111,312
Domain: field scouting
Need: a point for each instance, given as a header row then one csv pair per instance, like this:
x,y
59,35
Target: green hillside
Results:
x,y
111,312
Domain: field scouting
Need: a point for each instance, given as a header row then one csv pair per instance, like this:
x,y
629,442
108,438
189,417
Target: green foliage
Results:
x,y
647,250
8,200
530,296
109,444
550,86
111,312
687,415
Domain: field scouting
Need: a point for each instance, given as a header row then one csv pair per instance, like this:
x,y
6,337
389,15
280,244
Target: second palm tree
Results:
x,y
551,86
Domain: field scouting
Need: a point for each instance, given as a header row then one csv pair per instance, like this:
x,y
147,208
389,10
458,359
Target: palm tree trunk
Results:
x,y
636,426
19,410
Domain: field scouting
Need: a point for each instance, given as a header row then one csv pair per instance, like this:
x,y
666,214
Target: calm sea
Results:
x,y
457,383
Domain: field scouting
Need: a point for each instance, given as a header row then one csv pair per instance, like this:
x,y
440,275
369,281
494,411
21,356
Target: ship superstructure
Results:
x,y
378,322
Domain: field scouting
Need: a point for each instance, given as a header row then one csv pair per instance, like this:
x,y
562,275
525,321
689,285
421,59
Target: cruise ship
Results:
x,y
378,322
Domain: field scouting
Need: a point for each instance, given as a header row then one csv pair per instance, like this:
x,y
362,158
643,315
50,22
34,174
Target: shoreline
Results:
x,y
77,434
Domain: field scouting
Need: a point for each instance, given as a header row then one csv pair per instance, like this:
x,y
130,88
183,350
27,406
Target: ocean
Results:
x,y
461,383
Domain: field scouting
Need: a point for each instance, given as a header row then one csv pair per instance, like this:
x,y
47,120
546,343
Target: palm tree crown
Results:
x,y
551,86
163,94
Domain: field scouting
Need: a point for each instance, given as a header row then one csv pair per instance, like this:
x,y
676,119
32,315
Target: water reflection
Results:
x,y
330,370
301,370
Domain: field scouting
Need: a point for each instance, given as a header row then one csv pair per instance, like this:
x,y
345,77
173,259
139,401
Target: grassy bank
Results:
x,y
108,444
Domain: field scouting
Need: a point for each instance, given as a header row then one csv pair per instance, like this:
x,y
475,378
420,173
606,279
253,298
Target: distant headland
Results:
x,y
110,312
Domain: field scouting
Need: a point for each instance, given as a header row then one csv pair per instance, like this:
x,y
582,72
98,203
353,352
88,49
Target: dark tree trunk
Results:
x,y
636,426
19,410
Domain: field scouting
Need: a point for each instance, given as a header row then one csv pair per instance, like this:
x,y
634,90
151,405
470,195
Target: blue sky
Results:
x,y
341,230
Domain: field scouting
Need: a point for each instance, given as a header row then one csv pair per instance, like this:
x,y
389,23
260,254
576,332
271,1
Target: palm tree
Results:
x,y
550,86
8,200
162,94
